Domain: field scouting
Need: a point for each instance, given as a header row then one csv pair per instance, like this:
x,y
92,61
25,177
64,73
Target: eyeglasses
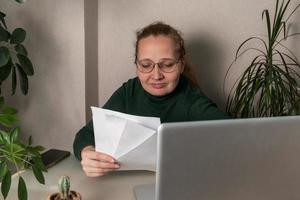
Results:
x,y
147,66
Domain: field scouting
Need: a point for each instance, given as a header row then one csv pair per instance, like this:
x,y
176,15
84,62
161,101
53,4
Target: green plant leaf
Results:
x,y
14,134
8,120
39,148
276,11
23,80
33,152
3,169
37,161
278,21
9,110
4,35
22,190
13,80
1,101
21,49
15,153
237,54
6,183
38,174
30,141
266,13
284,30
4,56
26,64
20,1
5,71
18,36
4,136
2,20
2,140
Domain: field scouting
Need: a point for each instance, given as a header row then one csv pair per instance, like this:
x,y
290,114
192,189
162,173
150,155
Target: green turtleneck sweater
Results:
x,y
185,103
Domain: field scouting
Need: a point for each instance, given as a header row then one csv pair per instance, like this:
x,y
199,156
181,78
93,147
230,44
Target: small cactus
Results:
x,y
64,191
64,187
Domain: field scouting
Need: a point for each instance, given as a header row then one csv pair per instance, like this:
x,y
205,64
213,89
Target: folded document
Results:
x,y
128,138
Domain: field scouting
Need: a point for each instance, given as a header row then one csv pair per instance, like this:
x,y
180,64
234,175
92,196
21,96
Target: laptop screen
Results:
x,y
229,159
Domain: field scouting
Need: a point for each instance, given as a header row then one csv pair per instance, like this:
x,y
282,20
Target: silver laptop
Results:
x,y
238,159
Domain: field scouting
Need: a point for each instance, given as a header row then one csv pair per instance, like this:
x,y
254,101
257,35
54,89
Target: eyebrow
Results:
x,y
163,59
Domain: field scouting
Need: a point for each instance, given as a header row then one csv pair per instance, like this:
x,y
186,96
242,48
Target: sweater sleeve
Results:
x,y
204,109
85,136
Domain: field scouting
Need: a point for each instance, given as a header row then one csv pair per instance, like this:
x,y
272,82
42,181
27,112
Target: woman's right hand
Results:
x,y
96,164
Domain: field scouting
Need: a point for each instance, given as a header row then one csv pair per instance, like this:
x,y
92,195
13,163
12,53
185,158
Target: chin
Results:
x,y
158,93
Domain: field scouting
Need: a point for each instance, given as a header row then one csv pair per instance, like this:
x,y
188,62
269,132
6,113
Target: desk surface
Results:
x,y
114,186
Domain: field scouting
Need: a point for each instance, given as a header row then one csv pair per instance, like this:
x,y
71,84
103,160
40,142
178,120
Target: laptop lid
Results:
x,y
229,160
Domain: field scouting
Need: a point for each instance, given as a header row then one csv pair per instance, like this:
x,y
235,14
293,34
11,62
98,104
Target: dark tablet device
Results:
x,y
53,156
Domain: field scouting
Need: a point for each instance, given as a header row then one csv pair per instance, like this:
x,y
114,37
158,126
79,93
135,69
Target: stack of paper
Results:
x,y
128,138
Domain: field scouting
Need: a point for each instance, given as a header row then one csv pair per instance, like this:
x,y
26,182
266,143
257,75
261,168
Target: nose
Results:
x,y
156,73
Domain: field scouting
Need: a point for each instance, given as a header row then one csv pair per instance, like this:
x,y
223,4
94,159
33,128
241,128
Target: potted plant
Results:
x,y
269,86
64,191
15,155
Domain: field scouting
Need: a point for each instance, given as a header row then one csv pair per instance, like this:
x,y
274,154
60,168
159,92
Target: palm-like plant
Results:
x,y
269,85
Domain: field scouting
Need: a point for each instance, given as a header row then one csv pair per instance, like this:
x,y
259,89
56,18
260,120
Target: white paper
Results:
x,y
128,138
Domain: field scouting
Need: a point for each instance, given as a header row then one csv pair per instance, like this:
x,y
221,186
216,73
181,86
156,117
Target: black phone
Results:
x,y
53,156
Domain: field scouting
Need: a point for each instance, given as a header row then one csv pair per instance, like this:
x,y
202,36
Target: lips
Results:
x,y
158,85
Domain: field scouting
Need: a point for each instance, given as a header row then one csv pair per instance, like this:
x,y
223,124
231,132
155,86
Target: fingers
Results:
x,y
95,172
90,153
96,164
98,156
99,164
94,168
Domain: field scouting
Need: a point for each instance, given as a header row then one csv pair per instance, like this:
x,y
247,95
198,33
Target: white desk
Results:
x,y
114,186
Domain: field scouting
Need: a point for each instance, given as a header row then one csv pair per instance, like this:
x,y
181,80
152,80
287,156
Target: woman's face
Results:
x,y
158,49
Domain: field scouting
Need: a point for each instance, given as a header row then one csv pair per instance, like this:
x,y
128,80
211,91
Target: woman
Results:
x,y
164,87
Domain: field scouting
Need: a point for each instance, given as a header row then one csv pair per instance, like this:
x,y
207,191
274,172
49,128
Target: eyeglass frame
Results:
x,y
137,62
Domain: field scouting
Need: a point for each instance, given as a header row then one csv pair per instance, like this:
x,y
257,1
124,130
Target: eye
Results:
x,y
167,64
145,64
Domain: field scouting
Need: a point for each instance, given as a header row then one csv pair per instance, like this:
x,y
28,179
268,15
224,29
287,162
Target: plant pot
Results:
x,y
73,196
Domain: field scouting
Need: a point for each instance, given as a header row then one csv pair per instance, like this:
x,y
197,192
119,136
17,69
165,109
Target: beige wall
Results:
x,y
54,109
84,50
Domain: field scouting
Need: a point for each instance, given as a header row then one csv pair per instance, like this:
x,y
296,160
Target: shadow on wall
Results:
x,y
205,55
